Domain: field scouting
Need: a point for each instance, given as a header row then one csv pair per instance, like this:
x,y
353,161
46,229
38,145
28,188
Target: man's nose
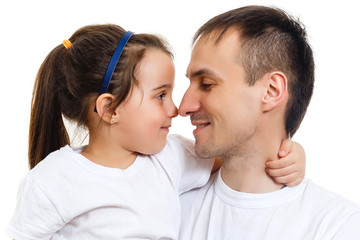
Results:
x,y
190,103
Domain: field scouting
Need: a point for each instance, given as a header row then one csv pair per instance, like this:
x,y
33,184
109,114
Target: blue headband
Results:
x,y
115,58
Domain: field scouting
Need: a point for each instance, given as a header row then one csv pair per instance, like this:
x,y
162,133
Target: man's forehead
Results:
x,y
216,36
207,54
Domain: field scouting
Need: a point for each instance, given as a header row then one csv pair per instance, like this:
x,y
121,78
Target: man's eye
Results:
x,y
205,86
161,96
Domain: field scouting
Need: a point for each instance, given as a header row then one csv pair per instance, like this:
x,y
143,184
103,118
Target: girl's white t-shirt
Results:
x,y
66,196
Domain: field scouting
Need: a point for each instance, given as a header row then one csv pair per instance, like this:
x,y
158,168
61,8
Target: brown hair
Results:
x,y
69,81
271,40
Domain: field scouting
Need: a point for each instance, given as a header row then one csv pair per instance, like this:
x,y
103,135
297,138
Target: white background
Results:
x,y
330,132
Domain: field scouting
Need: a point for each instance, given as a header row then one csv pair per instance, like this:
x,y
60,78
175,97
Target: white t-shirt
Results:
x,y
66,196
306,211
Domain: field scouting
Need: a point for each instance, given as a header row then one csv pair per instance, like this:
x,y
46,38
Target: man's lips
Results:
x,y
200,121
200,124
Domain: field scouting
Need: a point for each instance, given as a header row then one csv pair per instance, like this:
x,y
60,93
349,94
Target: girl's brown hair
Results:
x,y
69,81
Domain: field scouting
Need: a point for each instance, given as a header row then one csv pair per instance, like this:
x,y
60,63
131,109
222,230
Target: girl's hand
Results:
x,y
290,168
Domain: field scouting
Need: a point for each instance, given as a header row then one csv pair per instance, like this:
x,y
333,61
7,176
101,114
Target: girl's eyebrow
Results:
x,y
168,86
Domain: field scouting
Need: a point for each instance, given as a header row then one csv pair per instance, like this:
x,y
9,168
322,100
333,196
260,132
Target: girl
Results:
x,y
126,182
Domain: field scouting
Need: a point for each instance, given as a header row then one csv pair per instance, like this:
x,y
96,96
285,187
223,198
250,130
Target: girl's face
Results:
x,y
145,118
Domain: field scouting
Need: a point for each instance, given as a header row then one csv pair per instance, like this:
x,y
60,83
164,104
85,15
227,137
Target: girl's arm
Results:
x,y
217,164
289,169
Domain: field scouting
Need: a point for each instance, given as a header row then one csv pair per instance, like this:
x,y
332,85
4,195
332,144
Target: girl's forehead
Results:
x,y
156,69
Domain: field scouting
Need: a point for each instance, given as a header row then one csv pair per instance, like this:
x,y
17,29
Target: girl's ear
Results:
x,y
276,90
105,109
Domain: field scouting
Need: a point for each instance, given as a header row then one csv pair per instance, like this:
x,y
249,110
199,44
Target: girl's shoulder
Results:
x,y
55,163
178,143
187,170
178,150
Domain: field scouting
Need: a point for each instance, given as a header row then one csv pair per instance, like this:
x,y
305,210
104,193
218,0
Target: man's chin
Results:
x,y
202,151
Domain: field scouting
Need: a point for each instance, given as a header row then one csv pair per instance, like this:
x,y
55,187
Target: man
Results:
x,y
251,79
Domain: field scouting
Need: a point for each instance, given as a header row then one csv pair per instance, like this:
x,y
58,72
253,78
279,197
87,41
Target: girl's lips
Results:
x,y
165,128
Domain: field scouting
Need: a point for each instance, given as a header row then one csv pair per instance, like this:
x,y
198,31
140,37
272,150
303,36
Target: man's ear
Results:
x,y
104,108
276,90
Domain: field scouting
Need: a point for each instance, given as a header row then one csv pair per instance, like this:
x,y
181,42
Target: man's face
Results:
x,y
222,106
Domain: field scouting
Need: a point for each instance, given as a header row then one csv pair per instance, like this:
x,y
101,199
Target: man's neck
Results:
x,y
246,172
249,178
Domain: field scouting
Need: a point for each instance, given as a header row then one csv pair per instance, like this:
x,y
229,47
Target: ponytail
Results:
x,y
47,131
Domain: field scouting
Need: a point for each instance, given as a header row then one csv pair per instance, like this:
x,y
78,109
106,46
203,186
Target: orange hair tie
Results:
x,y
67,44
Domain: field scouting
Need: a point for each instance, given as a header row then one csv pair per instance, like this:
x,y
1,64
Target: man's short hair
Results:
x,y
270,40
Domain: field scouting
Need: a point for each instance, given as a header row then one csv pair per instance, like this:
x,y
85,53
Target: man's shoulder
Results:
x,y
340,217
320,195
333,212
350,228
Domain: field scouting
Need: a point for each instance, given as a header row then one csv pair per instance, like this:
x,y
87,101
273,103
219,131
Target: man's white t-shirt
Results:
x,y
307,211
66,196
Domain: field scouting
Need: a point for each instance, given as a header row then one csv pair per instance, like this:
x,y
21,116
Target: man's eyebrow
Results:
x,y
203,71
167,86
